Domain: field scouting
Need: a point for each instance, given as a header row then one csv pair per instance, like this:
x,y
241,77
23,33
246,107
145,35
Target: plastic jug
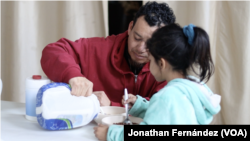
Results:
x,y
57,109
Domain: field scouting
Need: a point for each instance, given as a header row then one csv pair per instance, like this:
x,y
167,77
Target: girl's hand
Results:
x,y
101,132
131,100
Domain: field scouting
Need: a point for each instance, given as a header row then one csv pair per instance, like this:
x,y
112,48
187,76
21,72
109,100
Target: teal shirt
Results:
x,y
181,101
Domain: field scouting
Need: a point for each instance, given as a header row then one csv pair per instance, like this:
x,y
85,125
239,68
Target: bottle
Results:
x,y
33,84
57,109
1,86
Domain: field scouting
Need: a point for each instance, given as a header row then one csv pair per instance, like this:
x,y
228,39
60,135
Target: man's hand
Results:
x,y
101,132
102,97
81,86
131,100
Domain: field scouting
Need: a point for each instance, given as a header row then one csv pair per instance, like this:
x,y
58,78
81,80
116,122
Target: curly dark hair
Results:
x,y
156,14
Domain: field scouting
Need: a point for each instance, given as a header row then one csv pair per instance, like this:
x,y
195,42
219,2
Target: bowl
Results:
x,y
109,111
111,120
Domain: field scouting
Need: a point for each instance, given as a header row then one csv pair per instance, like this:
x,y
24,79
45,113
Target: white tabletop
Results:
x,y
15,127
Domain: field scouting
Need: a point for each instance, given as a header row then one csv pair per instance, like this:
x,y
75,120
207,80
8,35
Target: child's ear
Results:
x,y
163,63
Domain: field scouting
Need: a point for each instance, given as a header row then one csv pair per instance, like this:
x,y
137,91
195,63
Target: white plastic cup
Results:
x,y
33,84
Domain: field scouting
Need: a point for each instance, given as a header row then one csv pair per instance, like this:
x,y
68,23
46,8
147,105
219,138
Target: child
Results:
x,y
185,99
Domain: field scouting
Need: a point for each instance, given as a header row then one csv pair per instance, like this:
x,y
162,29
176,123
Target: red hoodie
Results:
x,y
100,60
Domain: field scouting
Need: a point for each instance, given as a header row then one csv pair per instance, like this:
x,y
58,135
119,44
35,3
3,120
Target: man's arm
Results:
x,y
60,62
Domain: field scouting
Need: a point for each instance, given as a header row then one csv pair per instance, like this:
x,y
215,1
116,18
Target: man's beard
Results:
x,y
135,64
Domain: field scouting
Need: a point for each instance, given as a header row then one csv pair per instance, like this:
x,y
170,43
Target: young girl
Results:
x,y
185,99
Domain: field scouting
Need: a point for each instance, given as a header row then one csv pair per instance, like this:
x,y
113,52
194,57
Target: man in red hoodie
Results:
x,y
105,66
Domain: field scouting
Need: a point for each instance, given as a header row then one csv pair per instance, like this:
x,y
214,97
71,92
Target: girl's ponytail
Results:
x,y
183,48
199,51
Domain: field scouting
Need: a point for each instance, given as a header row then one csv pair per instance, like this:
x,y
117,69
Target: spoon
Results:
x,y
126,121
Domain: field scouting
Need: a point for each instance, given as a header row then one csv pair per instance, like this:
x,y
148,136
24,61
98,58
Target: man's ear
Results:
x,y
130,26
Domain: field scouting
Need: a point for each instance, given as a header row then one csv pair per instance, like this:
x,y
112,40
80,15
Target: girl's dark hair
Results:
x,y
170,43
156,14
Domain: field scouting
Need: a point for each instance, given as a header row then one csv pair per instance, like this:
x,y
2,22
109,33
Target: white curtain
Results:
x,y
228,25
27,27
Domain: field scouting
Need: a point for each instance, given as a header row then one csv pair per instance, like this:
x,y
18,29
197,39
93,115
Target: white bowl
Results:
x,y
109,111
110,120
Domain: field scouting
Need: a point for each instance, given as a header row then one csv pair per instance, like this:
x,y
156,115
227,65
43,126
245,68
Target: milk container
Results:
x,y
57,109
33,84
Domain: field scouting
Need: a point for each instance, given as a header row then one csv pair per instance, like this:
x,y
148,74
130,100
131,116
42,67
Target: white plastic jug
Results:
x,y
57,109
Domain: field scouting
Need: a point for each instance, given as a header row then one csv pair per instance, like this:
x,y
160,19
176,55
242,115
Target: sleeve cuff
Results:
x,y
140,105
115,133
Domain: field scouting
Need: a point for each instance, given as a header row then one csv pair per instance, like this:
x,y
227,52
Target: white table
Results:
x,y
15,127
